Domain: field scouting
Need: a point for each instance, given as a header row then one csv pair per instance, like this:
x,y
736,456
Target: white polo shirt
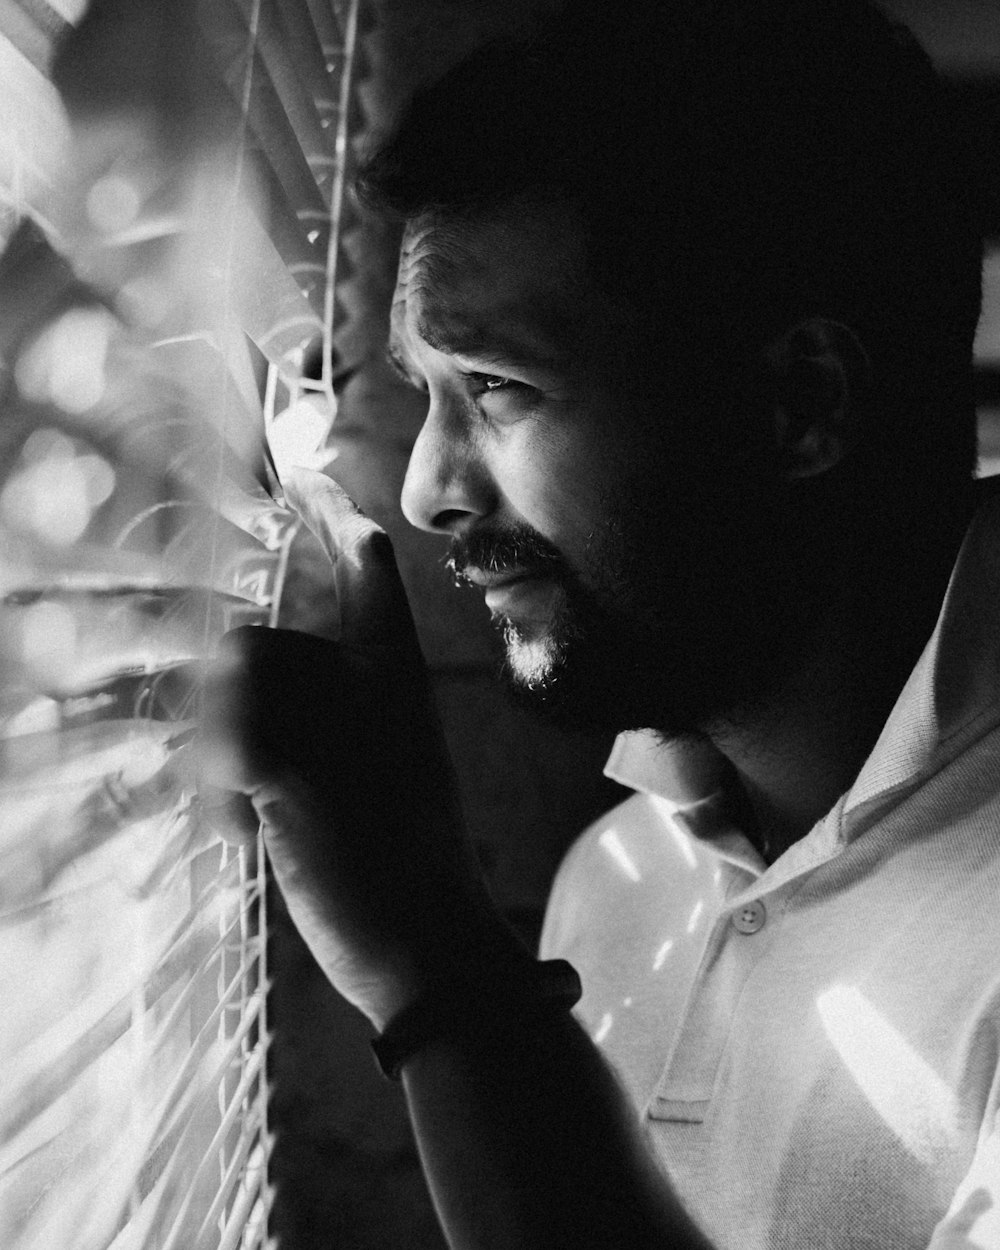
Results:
x,y
813,1047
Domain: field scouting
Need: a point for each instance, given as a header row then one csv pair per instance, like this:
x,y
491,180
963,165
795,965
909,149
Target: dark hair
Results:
x,y
739,165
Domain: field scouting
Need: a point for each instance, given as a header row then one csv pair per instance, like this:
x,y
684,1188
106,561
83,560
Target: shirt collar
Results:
x,y
683,773
951,697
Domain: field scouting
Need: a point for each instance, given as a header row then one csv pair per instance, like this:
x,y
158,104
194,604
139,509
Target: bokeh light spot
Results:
x,y
56,492
65,365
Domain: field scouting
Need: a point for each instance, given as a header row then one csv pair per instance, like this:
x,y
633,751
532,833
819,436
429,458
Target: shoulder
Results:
x,y
633,859
584,866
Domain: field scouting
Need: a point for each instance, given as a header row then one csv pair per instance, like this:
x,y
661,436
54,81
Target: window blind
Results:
x,y
171,221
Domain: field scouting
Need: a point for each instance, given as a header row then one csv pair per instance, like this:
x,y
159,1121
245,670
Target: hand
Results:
x,y
338,747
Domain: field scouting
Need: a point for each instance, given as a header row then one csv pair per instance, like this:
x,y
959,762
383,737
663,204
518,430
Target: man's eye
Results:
x,y
514,399
487,383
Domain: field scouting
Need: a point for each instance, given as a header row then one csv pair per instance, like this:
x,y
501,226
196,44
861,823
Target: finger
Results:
x,y
278,703
372,601
254,703
231,816
221,763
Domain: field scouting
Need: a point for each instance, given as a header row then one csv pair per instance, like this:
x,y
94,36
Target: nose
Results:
x,y
447,484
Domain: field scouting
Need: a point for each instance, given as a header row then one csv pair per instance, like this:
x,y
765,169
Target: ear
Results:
x,y
819,372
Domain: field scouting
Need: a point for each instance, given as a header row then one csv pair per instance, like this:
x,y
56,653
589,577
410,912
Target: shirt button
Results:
x,y
750,917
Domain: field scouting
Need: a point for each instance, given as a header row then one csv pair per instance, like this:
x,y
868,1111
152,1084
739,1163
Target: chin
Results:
x,y
555,676
531,661
629,661
603,680
535,675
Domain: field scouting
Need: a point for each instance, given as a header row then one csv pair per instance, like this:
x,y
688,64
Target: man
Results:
x,y
691,291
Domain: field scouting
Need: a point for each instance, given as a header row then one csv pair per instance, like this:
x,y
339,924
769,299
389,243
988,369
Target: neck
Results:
x,y
794,756
792,762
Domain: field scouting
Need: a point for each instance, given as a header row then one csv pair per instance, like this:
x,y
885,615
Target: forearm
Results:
x,y
526,1139
528,1144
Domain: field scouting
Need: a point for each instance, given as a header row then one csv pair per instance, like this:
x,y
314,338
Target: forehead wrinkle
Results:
x,y
509,289
433,256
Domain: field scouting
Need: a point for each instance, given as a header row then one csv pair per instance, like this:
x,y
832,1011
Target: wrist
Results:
x,y
518,993
453,950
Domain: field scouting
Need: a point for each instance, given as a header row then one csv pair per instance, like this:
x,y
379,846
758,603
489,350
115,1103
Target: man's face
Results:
x,y
629,560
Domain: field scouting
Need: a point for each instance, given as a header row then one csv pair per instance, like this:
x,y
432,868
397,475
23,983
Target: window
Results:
x,y
171,220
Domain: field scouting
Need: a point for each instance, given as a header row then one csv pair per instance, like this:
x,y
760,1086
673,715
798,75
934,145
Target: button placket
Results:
x,y
685,1089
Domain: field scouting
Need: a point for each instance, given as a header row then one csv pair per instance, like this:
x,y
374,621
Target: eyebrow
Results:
x,y
489,344
466,338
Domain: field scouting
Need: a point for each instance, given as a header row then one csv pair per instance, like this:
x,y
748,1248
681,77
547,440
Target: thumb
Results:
x,y
372,602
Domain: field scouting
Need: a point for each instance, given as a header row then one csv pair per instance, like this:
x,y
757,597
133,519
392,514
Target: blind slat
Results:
x,y
160,845
134,1106
269,303
330,22
301,242
287,71
39,1074
176,1108
177,1214
298,32
237,1173
250,1205
268,123
65,1002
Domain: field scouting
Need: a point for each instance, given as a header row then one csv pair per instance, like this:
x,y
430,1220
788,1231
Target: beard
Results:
x,y
685,617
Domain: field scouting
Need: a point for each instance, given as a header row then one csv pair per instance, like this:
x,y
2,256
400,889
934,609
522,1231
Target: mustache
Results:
x,y
496,550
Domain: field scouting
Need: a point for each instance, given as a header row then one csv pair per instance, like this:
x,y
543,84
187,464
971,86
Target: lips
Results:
x,y
526,596
486,580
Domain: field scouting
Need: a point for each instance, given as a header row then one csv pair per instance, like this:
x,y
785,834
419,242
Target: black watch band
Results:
x,y
540,988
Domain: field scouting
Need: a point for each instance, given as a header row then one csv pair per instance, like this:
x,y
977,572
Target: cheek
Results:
x,y
557,480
